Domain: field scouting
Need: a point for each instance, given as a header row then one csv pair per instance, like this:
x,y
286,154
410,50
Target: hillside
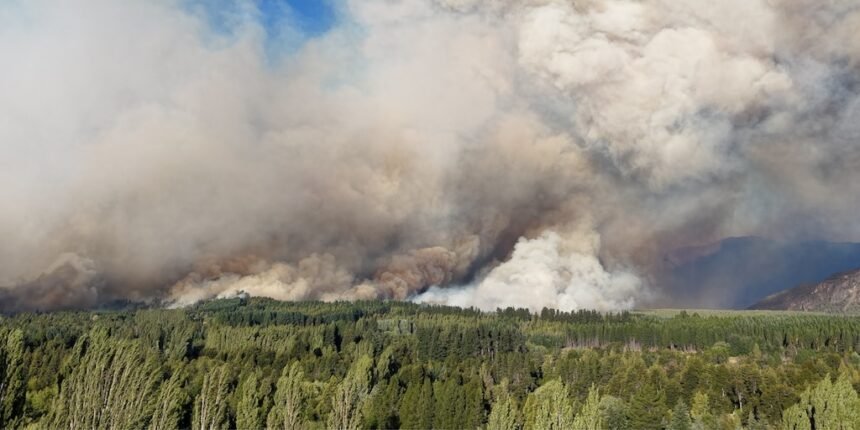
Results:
x,y
839,293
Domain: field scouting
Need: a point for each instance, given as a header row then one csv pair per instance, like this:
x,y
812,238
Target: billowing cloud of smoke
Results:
x,y
548,271
418,146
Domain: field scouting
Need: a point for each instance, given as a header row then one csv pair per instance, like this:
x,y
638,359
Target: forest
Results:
x,y
252,363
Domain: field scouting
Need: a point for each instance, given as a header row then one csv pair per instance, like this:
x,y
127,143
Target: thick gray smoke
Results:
x,y
488,153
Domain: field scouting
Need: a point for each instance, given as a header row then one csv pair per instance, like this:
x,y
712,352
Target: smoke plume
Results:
x,y
476,152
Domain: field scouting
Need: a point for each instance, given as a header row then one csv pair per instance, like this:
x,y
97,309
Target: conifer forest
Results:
x,y
259,363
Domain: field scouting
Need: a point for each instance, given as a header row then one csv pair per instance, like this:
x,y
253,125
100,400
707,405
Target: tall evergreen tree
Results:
x,y
647,408
417,407
381,409
449,405
614,412
680,417
701,413
474,409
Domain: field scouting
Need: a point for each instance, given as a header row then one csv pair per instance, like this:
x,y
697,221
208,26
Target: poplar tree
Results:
x,y
290,397
350,395
210,407
826,406
249,409
171,403
590,416
503,416
111,383
13,377
549,407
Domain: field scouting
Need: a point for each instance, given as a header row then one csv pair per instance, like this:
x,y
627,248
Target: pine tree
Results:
x,y
474,410
449,402
381,409
754,423
646,408
701,412
417,406
614,412
680,417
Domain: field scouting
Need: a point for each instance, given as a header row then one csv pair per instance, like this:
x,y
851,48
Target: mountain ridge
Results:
x,y
838,293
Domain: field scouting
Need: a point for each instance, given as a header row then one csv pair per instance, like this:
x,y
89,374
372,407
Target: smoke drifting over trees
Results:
x,y
481,150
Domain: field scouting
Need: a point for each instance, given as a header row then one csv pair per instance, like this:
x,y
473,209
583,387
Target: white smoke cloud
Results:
x,y
549,271
414,144
658,94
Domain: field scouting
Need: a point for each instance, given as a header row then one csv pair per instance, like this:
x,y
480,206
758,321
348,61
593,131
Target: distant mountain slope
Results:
x,y
839,293
737,272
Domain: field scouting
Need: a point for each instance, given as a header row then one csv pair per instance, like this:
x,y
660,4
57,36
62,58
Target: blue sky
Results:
x,y
287,22
313,17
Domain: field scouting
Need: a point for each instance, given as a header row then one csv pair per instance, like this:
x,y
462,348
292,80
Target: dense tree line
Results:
x,y
239,363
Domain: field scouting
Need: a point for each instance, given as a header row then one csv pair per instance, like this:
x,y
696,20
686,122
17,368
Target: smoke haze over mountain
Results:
x,y
488,153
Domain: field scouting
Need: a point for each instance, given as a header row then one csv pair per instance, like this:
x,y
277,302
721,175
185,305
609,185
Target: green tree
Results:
x,y
474,410
13,375
503,416
647,408
171,403
549,407
449,403
590,417
110,383
730,421
701,413
796,418
249,410
350,394
680,417
286,412
417,406
614,412
210,408
754,423
381,408
826,406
